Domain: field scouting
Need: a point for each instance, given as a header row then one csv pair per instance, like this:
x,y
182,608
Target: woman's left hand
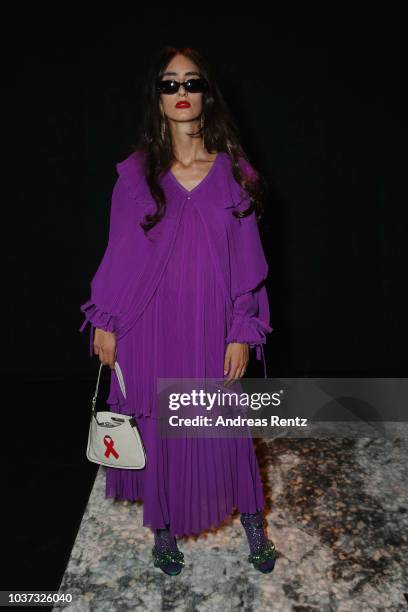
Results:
x,y
235,360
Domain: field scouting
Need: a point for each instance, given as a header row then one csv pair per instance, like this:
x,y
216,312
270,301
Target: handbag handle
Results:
x,y
120,379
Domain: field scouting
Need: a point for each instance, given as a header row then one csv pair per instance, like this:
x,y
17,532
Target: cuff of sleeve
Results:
x,y
250,330
97,318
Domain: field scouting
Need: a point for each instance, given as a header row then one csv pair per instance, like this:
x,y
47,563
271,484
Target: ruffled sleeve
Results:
x,y
247,324
96,313
130,266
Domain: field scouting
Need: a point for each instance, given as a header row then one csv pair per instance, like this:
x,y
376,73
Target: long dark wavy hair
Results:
x,y
218,130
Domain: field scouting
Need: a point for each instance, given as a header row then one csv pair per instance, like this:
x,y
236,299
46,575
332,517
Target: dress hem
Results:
x,y
193,533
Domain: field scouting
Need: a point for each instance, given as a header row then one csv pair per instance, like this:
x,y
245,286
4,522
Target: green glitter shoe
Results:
x,y
171,562
267,553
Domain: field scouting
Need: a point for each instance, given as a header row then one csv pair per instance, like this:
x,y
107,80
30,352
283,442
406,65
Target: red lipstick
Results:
x,y
183,104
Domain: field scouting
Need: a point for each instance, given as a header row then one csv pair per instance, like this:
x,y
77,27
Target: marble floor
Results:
x,y
337,511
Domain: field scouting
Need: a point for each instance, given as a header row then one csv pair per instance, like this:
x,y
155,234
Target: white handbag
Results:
x,y
114,439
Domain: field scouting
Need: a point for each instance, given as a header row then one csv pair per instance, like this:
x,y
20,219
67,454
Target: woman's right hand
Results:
x,y
105,346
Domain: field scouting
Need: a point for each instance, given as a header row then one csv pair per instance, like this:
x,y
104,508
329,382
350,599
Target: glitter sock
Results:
x,y
164,541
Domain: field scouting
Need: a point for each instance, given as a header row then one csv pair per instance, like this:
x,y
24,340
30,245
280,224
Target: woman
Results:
x,y
180,293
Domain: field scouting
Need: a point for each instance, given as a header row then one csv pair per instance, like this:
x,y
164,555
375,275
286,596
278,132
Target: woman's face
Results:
x,y
181,69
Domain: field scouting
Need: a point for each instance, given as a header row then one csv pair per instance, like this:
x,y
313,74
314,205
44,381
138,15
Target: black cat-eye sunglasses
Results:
x,y
171,86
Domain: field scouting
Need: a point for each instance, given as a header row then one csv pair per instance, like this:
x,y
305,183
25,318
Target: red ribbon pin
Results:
x,y
108,442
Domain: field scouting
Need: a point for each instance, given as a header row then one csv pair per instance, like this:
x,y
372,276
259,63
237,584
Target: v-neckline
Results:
x,y
203,180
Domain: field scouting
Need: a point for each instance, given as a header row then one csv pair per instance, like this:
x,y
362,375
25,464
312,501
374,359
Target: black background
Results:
x,y
317,94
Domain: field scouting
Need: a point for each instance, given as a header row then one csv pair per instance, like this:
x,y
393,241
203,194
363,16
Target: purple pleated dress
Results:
x,y
188,483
